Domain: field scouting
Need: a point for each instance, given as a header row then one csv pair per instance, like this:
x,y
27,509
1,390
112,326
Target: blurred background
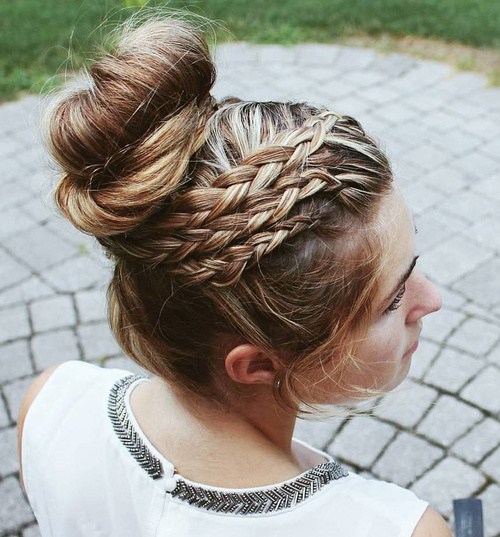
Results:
x,y
40,39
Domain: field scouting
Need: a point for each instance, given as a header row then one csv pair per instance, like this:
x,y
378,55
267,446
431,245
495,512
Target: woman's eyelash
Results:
x,y
397,300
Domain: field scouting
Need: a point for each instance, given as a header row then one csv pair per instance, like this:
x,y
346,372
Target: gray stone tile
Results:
x,y
470,206
462,481
382,94
486,232
428,156
317,433
477,311
11,272
420,197
50,348
482,285
351,105
364,79
25,292
483,390
422,359
14,361
494,356
393,65
453,258
14,509
14,324
486,128
478,166
406,405
443,122
466,337
446,179
38,248
91,305
406,459
426,102
452,300
491,148
14,221
458,143
361,440
396,112
441,324
13,193
351,59
4,417
8,447
317,54
452,370
434,227
489,187
491,513
276,54
76,274
460,84
38,209
64,230
14,393
97,341
447,420
478,442
53,312
239,53
491,465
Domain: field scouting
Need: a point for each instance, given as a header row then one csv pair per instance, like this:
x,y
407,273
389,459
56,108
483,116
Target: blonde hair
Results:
x,y
228,221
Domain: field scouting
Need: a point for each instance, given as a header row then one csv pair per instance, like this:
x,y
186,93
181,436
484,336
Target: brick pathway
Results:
x,y
439,433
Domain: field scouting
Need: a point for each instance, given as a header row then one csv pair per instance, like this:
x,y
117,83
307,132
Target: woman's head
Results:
x,y
231,223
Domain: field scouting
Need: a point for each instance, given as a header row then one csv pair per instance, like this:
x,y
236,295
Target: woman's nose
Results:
x,y
426,298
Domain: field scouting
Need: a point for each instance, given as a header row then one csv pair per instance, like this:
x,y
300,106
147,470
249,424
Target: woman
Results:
x,y
264,265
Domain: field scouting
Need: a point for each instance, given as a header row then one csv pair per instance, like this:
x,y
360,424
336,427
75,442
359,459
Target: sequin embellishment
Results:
x,y
251,502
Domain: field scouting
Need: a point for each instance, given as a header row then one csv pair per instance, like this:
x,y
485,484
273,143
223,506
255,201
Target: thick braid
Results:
x,y
243,216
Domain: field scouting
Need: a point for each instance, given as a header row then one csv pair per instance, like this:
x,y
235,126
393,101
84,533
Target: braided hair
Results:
x,y
227,221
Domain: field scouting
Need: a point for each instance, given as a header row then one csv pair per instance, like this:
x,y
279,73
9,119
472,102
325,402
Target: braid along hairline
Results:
x,y
210,228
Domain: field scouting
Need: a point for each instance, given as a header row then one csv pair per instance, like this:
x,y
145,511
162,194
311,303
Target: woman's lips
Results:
x,y
411,350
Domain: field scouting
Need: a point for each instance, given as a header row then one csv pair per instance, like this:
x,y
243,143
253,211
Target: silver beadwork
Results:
x,y
117,412
266,500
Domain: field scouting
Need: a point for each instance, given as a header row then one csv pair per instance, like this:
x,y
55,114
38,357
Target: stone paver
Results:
x,y
439,433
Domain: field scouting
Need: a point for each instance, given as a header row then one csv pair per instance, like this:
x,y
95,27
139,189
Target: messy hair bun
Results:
x,y
124,140
242,221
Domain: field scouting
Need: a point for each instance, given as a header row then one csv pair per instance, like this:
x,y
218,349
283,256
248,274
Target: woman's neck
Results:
x,y
246,444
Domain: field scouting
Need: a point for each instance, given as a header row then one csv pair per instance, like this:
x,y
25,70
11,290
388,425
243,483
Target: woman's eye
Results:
x,y
397,300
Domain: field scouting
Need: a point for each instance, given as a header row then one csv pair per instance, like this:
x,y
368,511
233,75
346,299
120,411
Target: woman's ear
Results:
x,y
246,364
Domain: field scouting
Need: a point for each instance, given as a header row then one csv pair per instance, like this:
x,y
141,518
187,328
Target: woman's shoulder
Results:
x,y
72,375
56,389
383,503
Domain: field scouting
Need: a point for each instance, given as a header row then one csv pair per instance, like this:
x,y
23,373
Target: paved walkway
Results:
x,y
439,433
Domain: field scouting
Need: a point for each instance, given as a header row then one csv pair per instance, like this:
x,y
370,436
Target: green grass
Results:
x,y
35,36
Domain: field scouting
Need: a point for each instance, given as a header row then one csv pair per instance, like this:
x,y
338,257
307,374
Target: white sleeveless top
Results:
x,y
90,471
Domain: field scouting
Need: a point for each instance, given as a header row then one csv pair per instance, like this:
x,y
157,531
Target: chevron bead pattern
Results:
x,y
117,412
261,501
252,502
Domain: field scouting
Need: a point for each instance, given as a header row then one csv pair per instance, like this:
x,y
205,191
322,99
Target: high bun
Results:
x,y
124,141
228,222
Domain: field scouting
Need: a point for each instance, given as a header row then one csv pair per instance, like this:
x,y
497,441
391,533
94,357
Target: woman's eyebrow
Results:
x,y
403,279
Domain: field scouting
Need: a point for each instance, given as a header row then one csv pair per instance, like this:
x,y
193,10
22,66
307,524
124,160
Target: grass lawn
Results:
x,y
35,37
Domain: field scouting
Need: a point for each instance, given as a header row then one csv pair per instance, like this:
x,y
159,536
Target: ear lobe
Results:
x,y
246,364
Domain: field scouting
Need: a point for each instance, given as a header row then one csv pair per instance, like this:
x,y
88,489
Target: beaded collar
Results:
x,y
248,502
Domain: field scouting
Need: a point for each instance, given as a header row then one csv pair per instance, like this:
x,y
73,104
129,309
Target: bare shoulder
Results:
x,y
431,524
28,399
